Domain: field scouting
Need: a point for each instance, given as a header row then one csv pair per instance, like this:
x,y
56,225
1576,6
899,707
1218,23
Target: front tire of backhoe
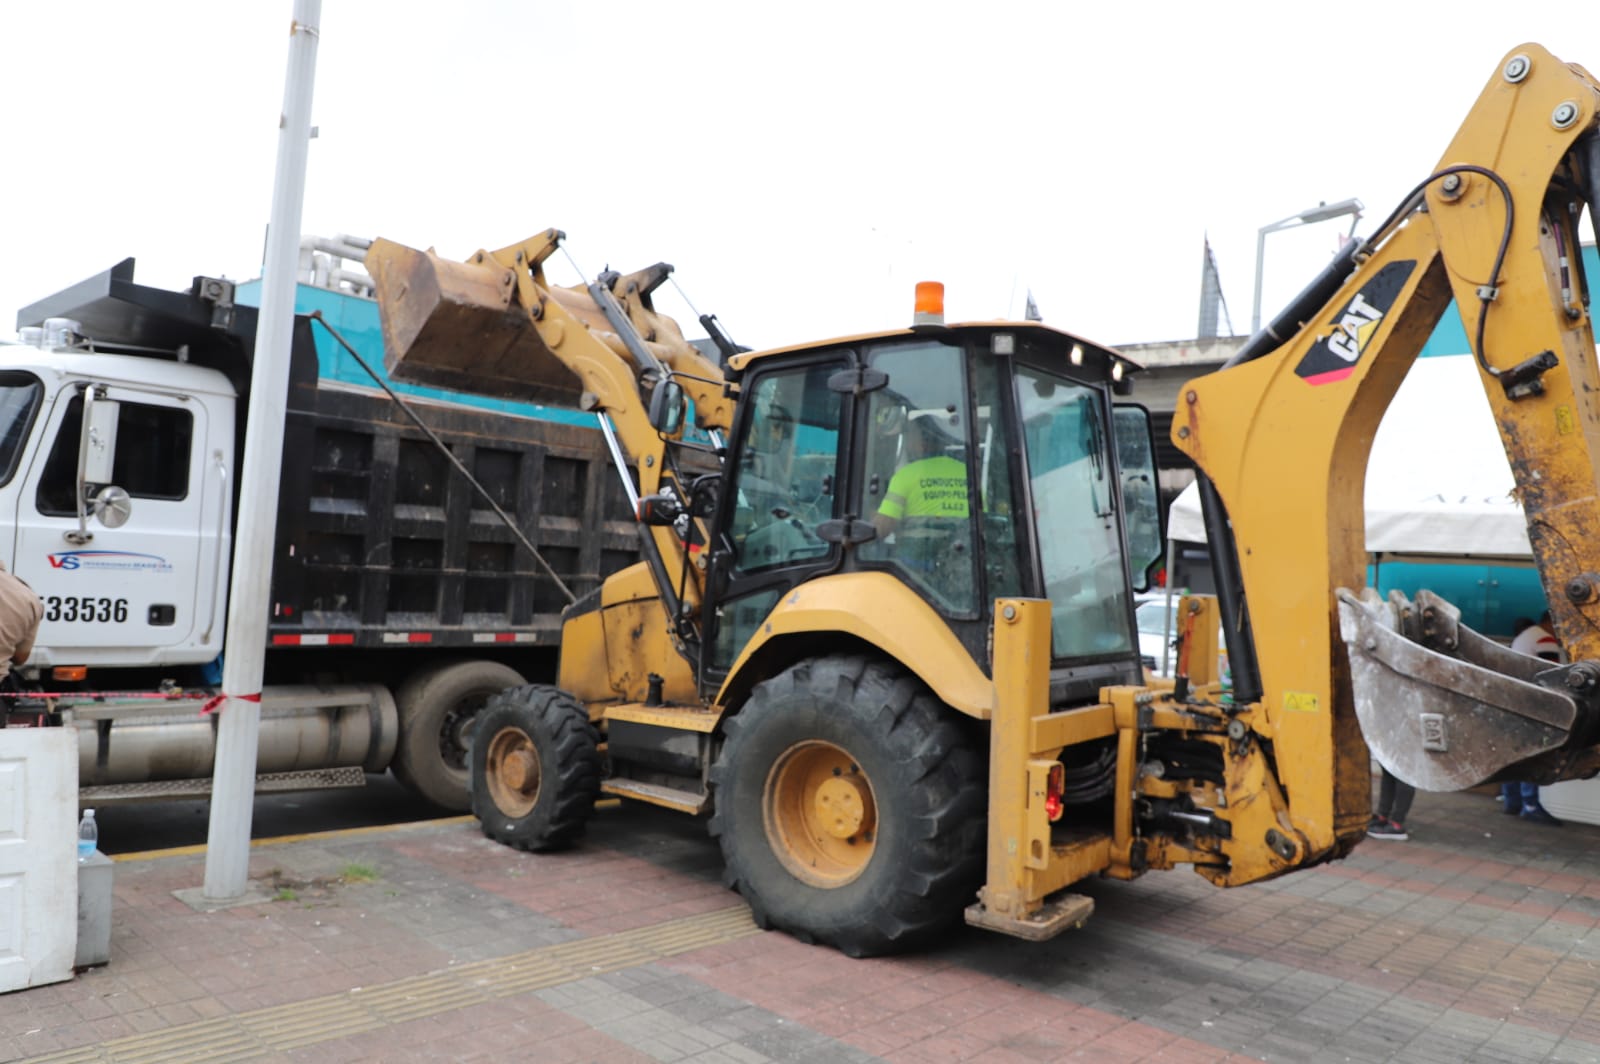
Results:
x,y
535,768
850,807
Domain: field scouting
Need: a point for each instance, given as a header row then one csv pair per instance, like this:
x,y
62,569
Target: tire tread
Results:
x,y
552,718
927,892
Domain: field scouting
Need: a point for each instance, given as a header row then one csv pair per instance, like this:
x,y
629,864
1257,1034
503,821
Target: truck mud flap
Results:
x,y
1443,707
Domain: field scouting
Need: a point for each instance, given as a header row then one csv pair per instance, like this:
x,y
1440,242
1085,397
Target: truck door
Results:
x,y
130,588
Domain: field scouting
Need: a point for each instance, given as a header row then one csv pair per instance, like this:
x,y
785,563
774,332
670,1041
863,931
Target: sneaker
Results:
x,y
1387,829
1539,815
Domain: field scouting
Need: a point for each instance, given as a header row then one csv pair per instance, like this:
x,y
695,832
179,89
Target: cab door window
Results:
x,y
1072,479
788,466
917,489
783,487
151,461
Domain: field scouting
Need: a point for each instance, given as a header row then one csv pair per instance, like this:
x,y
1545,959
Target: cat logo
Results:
x,y
1354,331
1335,354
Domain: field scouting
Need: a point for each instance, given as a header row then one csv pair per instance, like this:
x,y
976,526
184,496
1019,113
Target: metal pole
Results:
x,y
1255,304
234,777
1322,212
1167,618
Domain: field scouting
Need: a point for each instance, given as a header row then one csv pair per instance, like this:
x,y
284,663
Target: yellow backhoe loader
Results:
x,y
883,633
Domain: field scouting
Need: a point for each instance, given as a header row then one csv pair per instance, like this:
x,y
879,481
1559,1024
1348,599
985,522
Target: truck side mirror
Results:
x,y
97,458
112,506
667,409
97,447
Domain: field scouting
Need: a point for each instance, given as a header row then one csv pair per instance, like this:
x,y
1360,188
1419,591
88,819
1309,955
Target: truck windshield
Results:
x,y
1075,515
19,401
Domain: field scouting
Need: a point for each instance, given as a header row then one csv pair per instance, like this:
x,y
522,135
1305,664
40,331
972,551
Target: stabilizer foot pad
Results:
x,y
1049,920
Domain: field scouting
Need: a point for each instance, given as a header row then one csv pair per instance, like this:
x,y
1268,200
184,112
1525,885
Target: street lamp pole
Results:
x,y
1320,213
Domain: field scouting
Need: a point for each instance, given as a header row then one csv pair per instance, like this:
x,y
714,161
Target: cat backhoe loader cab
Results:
x,y
883,636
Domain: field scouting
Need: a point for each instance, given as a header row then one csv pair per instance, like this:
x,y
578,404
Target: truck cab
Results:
x,y
399,602
115,477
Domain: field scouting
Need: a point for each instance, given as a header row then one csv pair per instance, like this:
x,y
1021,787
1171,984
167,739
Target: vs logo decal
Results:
x,y
103,560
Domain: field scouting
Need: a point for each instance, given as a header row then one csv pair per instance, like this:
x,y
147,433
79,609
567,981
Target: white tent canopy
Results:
x,y
1437,481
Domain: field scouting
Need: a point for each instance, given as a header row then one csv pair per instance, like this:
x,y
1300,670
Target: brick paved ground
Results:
x,y
1474,942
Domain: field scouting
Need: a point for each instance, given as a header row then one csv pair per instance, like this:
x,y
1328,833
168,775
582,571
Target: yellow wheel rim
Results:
x,y
820,815
512,771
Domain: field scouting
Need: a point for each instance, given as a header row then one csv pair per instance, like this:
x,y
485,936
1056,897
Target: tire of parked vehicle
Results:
x,y
438,706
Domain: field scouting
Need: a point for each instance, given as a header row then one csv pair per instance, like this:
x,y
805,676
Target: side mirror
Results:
x,y
98,444
667,409
112,506
97,456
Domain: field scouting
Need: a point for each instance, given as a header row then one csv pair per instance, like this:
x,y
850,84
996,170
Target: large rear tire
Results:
x,y
535,768
849,806
438,706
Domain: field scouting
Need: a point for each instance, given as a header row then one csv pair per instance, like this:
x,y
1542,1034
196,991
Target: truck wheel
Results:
x,y
535,768
438,706
849,807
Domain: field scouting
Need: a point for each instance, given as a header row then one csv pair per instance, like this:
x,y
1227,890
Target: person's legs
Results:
x,y
1533,809
1394,799
1403,793
1386,789
1511,795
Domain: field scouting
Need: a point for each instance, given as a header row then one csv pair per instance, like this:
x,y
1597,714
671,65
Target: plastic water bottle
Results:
x,y
88,835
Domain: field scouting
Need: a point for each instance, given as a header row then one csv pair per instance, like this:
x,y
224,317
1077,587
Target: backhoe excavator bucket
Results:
x,y
456,325
1441,706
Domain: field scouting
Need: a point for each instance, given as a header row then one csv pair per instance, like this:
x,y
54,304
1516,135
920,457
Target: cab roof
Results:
x,y
742,362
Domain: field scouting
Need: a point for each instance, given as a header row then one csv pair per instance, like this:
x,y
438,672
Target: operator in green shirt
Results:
x,y
930,484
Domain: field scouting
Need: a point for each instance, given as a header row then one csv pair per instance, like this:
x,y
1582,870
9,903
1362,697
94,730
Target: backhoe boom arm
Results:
x,y
1284,439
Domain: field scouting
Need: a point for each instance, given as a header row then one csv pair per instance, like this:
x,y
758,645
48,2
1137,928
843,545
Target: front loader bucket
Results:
x,y
459,326
1453,715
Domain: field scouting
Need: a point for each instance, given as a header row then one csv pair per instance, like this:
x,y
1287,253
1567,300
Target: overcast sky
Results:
x,y
801,164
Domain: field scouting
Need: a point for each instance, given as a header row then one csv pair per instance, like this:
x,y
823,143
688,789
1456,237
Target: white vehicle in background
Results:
x,y
1156,616
399,603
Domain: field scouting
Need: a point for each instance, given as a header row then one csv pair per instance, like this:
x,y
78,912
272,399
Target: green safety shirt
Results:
x,y
928,487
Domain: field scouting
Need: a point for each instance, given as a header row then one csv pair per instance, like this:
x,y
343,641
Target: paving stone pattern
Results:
x,y
1476,941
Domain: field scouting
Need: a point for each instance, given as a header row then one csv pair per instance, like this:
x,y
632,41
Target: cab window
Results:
x,y
152,456
788,465
917,479
19,401
1070,471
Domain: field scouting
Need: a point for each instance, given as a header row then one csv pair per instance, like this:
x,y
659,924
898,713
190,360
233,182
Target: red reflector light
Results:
x,y
1054,786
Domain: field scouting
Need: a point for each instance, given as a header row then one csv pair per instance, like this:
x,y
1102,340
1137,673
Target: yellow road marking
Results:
x,y
340,833
302,1023
284,840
